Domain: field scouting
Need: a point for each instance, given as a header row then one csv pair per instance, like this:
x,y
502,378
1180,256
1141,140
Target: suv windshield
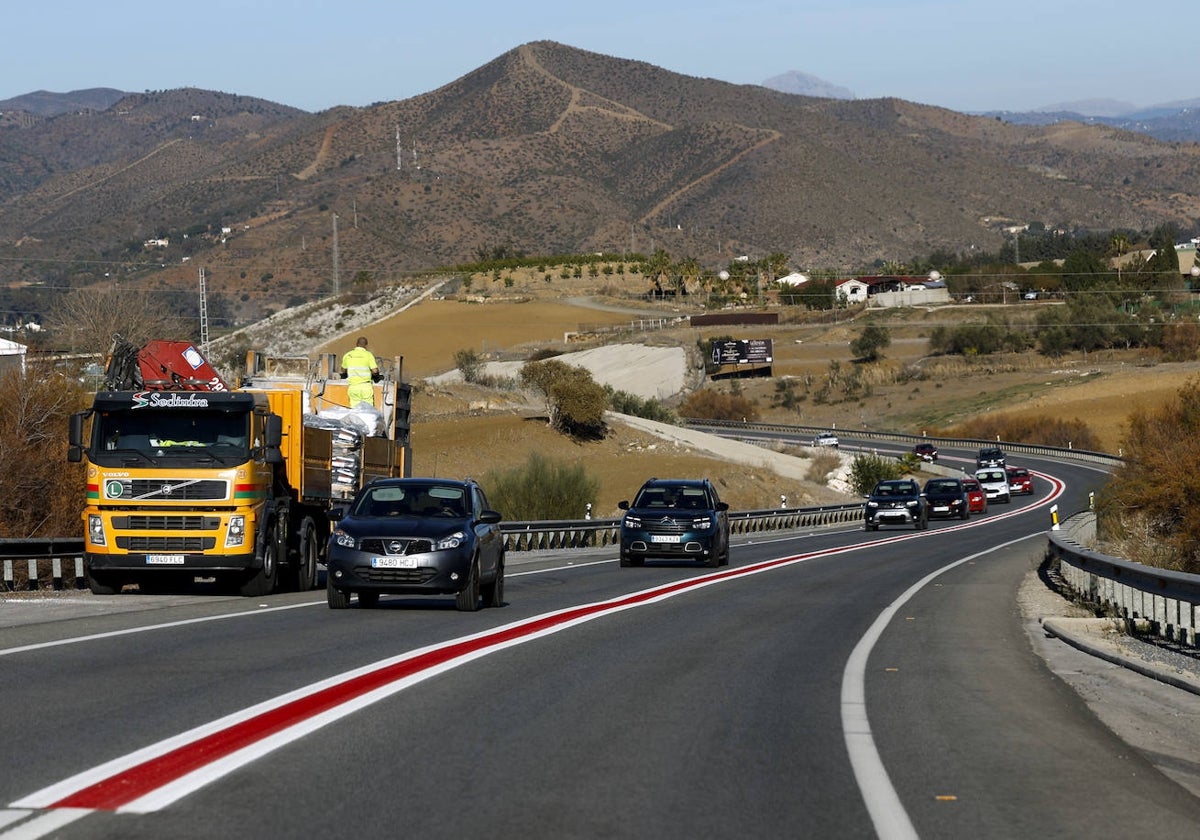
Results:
x,y
686,498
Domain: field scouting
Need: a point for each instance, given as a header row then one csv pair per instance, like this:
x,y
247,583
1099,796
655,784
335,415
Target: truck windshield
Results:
x,y
122,437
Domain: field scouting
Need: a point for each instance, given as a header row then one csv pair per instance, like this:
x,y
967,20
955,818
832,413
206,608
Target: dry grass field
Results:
x,y
466,430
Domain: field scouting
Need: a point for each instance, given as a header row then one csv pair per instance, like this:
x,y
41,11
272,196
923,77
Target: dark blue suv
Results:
x,y
675,519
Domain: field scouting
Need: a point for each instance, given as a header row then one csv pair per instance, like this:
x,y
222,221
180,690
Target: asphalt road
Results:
x,y
836,684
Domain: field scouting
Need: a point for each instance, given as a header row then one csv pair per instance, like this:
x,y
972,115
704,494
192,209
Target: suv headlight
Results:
x,y
342,539
632,521
872,504
96,530
453,541
702,523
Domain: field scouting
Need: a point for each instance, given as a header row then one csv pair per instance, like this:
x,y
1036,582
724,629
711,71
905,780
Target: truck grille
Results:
x,y
160,545
166,489
166,523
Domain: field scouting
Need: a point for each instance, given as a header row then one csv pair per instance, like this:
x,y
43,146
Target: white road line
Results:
x,y
151,627
887,813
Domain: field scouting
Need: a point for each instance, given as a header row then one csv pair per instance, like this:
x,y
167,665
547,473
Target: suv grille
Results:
x,y
664,525
395,546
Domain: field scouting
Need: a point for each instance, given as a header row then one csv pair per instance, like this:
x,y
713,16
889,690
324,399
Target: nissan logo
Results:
x,y
395,547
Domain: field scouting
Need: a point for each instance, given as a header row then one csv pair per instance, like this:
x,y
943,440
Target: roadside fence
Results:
x,y
1162,602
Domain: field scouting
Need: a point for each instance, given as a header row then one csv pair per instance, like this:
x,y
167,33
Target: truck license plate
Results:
x,y
393,562
164,559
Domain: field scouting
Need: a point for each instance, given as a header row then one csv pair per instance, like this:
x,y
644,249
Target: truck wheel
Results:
x,y
304,571
337,599
493,593
467,599
263,581
101,584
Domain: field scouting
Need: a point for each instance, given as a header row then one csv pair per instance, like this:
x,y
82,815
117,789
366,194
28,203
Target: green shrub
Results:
x,y
868,470
649,408
541,489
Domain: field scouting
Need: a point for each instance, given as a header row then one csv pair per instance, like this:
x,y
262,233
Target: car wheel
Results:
x,y
467,599
337,599
966,512
493,593
368,600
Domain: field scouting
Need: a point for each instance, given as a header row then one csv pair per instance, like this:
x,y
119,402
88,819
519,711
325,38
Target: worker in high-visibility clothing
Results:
x,y
359,368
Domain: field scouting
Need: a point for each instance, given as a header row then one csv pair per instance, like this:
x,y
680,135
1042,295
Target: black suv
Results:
x,y
675,518
990,456
416,536
896,501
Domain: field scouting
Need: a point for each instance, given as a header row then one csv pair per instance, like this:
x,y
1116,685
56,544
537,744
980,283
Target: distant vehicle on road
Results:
x,y
947,497
826,439
994,481
976,498
926,452
675,519
1020,481
896,501
990,456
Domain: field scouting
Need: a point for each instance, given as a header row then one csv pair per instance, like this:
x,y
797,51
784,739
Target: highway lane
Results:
x,y
717,711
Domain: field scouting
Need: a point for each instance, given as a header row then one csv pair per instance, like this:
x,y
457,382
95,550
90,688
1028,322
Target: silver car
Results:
x,y
994,481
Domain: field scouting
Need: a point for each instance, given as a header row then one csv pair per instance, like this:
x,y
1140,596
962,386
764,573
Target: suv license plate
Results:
x,y
393,562
664,538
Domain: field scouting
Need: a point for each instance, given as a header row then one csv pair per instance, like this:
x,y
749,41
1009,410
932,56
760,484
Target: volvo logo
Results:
x,y
166,490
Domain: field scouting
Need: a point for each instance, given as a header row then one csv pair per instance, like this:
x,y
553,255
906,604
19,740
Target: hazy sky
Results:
x,y
967,55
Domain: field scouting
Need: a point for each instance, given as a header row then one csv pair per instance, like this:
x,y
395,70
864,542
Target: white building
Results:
x,y
11,355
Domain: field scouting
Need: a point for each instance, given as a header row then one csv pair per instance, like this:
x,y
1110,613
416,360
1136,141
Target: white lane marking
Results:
x,y
151,627
883,803
44,823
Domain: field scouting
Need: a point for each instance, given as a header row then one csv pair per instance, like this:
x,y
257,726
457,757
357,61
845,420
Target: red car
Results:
x,y
1020,482
976,498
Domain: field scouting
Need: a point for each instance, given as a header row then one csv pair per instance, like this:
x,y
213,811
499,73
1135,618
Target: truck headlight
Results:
x,y
95,528
236,535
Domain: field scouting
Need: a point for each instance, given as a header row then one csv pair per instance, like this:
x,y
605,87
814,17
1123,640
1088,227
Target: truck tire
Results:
x,y
303,572
263,580
102,584
467,599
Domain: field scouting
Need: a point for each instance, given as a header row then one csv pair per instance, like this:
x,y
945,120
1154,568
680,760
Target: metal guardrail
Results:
x,y
44,560
595,533
1169,601
752,432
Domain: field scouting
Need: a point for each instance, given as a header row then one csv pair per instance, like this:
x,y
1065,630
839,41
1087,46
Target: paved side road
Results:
x,y
1149,697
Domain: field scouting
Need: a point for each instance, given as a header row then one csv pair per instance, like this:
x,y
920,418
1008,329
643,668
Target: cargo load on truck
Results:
x,y
189,477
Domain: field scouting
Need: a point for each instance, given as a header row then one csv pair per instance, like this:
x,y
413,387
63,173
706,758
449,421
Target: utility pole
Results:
x,y
337,286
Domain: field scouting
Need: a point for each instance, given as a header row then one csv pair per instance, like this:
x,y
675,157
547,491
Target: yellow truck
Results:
x,y
189,478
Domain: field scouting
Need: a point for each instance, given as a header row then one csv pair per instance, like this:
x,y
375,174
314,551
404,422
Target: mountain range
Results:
x,y
545,149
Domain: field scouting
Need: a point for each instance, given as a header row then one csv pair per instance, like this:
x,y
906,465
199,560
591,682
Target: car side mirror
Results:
x,y
623,504
490,517
722,505
336,513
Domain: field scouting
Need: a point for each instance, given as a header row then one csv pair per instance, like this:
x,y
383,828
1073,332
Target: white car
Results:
x,y
994,481
826,439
